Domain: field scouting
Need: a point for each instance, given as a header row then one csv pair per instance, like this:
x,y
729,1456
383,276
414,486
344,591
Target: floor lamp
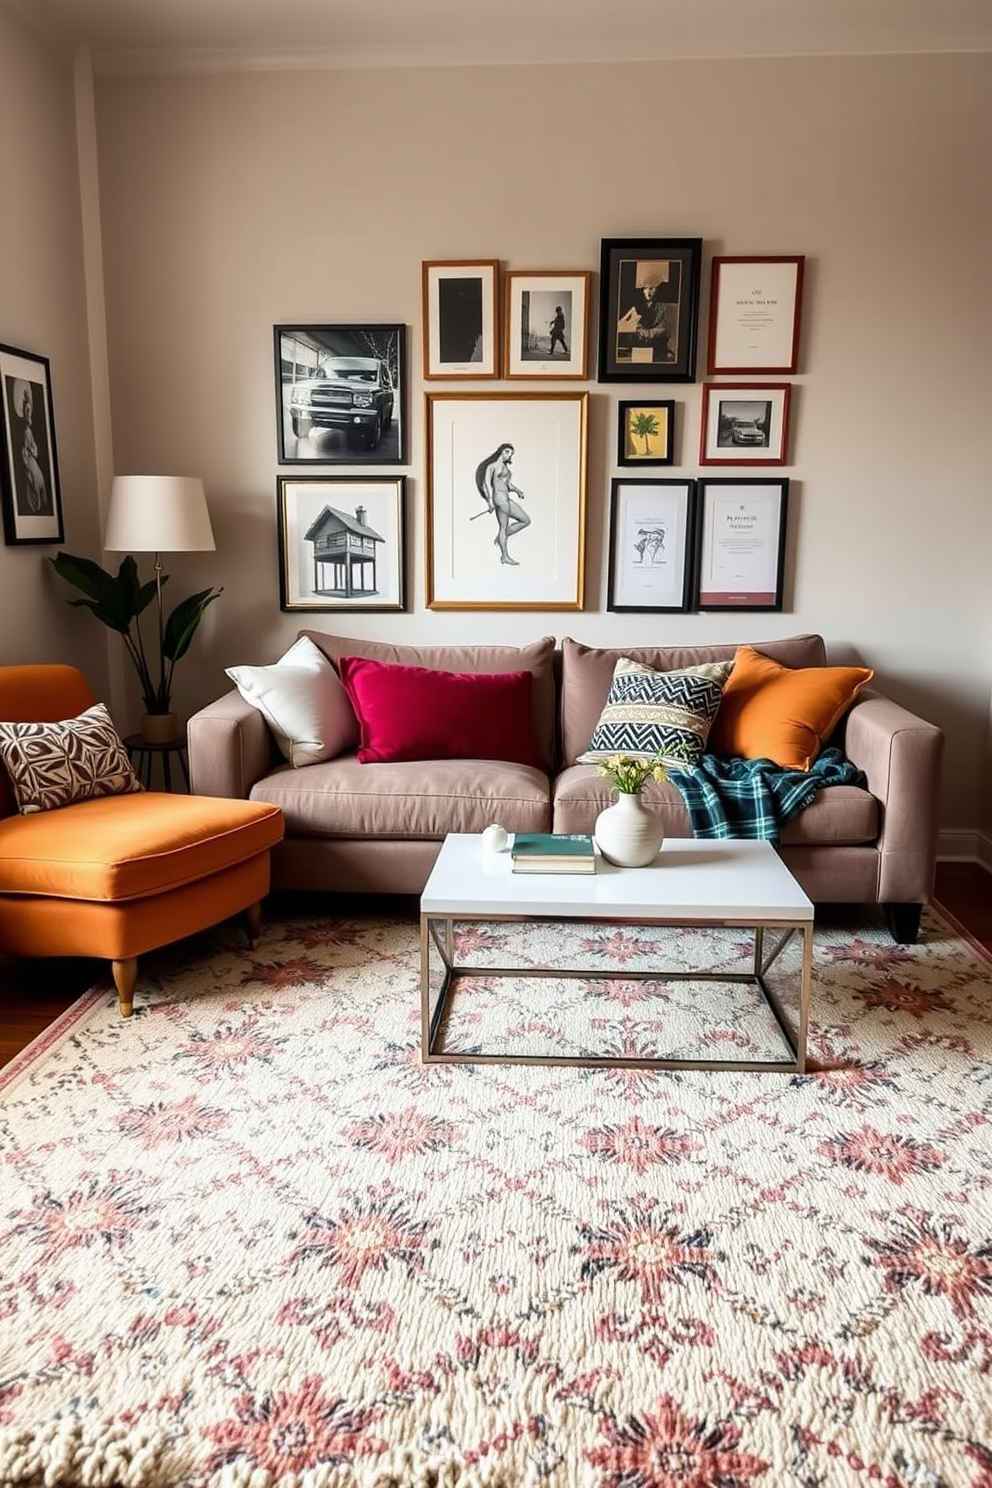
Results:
x,y
158,514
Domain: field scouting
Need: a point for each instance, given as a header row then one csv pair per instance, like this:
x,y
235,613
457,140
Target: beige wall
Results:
x,y
43,310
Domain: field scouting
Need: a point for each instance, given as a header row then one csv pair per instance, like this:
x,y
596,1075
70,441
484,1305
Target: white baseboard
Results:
x,y
965,847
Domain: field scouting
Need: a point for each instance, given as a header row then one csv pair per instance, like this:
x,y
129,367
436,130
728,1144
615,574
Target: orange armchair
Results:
x,y
120,875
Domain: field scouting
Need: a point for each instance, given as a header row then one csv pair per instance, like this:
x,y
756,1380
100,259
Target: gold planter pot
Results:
x,y
160,728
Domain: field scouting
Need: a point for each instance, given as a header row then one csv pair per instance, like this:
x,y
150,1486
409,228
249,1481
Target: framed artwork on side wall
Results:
x,y
648,309
744,423
506,495
29,479
342,542
755,307
646,432
340,394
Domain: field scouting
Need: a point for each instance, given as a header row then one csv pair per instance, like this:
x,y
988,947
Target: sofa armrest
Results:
x,y
230,747
901,755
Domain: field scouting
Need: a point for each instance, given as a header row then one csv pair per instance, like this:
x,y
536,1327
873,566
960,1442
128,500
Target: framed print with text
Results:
x,y
341,542
648,309
29,479
461,318
506,498
651,544
740,544
744,423
340,394
546,330
646,433
755,309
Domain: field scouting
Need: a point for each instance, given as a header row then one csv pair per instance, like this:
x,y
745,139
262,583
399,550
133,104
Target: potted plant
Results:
x,y
119,600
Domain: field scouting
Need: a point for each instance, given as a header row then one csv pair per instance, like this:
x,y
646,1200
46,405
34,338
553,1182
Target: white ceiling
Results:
x,y
145,36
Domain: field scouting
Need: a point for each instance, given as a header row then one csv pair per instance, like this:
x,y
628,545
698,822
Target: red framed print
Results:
x,y
755,307
744,423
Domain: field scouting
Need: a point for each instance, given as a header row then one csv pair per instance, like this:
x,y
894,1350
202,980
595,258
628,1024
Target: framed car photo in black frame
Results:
x,y
648,309
340,394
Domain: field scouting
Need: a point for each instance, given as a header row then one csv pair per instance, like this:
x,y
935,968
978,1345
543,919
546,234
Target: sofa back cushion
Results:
x,y
536,658
587,672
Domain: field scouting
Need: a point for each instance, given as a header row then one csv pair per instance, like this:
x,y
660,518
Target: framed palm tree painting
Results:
x,y
646,433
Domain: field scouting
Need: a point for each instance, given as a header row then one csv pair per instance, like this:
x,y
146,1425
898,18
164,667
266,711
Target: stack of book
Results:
x,y
552,852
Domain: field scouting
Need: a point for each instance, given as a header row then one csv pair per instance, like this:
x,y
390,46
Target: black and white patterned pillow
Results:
x,y
55,764
652,714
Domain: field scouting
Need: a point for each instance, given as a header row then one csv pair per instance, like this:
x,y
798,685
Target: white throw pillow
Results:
x,y
301,698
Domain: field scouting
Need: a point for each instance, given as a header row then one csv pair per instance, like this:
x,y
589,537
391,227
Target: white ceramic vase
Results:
x,y
628,833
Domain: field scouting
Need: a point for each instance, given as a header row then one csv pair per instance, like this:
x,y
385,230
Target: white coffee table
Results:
x,y
691,883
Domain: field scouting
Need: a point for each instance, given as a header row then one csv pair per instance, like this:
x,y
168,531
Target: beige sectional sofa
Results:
x,y
377,827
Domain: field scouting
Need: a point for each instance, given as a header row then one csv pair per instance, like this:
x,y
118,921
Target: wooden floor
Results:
x,y
33,993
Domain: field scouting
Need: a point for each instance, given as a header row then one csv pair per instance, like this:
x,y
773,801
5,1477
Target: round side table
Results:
x,y
144,755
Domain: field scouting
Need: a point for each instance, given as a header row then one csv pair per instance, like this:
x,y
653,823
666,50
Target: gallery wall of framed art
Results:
x,y
506,484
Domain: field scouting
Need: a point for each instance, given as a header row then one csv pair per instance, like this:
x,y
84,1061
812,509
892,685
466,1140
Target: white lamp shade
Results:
x,y
158,514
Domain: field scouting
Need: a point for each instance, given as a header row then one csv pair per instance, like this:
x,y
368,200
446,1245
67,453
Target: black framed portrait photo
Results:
x,y
340,394
29,481
649,309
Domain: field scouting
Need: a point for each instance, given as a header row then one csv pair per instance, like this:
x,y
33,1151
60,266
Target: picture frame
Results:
x,y
506,532
330,529
755,314
542,310
29,478
341,394
646,432
744,423
652,544
461,318
740,543
648,309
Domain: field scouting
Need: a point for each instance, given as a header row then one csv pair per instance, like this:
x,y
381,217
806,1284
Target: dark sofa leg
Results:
x,y
903,921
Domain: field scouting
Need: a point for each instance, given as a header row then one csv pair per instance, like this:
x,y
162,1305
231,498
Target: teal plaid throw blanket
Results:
x,y
755,798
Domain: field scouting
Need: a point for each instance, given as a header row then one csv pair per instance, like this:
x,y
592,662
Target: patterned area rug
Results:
x,y
250,1241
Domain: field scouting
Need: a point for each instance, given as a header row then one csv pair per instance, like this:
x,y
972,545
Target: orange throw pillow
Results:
x,y
785,714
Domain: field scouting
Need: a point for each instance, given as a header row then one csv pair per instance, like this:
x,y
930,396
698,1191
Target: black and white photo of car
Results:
x,y
340,393
744,422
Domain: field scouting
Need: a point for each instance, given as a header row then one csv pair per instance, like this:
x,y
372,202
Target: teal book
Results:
x,y
552,847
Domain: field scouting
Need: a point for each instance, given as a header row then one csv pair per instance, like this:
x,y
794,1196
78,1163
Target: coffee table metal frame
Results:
x,y
732,885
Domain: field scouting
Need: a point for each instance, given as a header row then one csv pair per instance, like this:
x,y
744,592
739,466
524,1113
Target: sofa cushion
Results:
x,y
536,658
342,798
417,713
301,698
50,765
587,672
126,847
781,713
651,714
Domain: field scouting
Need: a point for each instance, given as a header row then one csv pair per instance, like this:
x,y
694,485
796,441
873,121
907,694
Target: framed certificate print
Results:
x,y
740,544
651,532
648,310
755,306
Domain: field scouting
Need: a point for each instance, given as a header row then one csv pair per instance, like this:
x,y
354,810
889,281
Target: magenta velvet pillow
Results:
x,y
416,713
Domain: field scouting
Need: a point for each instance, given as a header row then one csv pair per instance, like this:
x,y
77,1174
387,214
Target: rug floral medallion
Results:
x,y
249,1240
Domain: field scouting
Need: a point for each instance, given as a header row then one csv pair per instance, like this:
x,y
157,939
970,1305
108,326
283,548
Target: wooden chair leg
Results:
x,y
253,922
125,976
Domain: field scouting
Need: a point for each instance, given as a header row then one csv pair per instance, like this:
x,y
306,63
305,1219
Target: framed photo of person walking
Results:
x,y
546,324
506,500
648,309
29,475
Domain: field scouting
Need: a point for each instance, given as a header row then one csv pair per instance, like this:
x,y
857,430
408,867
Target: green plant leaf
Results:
x,y
181,626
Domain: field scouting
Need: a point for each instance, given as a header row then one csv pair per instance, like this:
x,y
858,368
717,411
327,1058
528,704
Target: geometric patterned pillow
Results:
x,y
652,714
54,764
